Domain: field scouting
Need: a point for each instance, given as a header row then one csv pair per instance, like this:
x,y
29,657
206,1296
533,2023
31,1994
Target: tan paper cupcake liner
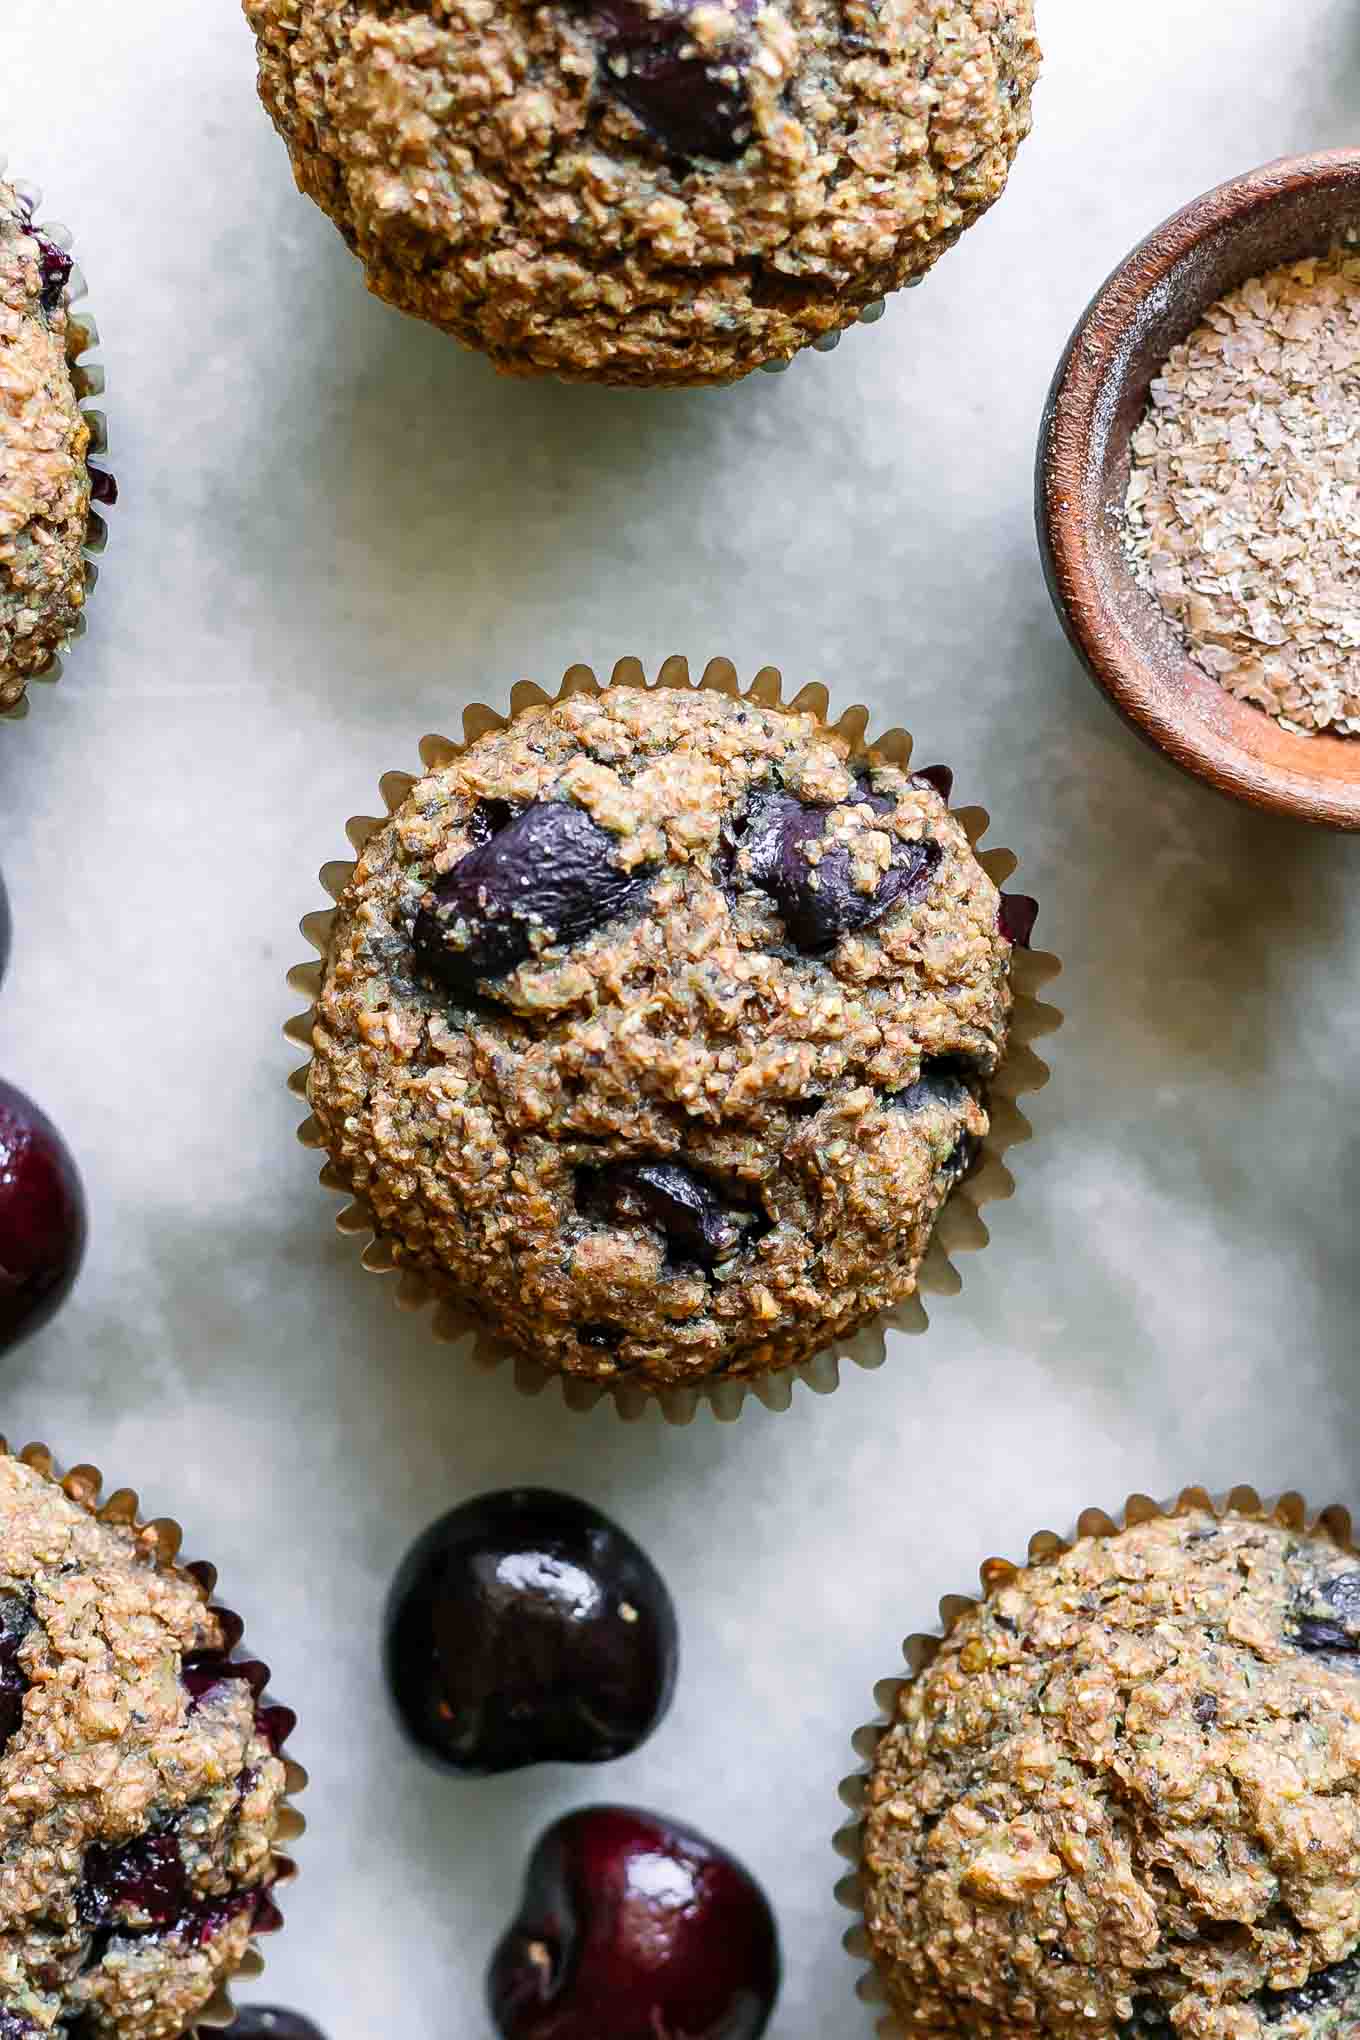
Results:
x,y
960,1228
920,1651
162,1539
82,338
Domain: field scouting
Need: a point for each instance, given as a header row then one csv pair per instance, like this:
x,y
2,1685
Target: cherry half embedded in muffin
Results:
x,y
1016,918
815,895
42,1217
635,1927
688,88
143,1882
549,872
671,1198
56,266
267,2022
525,1627
1330,1622
16,1619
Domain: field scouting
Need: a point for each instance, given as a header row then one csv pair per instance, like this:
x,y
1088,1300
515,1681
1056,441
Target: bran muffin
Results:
x,y
44,480
647,191
141,1786
656,1028
1124,1798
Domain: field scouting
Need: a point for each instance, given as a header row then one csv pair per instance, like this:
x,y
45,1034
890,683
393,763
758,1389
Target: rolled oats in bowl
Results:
x,y
1242,517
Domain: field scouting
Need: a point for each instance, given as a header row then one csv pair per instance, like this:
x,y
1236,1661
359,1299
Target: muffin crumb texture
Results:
x,y
1125,1796
647,191
657,1027
44,482
140,1783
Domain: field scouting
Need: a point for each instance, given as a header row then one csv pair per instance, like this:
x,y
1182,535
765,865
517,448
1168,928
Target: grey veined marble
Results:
x,y
336,529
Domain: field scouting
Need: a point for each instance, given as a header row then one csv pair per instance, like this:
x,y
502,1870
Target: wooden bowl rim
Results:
x,y
1323,787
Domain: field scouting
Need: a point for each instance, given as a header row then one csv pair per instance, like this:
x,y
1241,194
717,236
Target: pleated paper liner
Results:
x,y
161,1539
960,1228
920,1651
82,338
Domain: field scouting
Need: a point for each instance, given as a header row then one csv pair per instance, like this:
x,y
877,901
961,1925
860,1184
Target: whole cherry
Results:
x,y
42,1217
525,1627
638,1928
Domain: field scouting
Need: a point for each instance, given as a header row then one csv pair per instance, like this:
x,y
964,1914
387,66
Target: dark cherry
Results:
x,y
941,777
16,1619
267,2022
1016,918
695,104
204,1671
818,903
1339,1984
525,1627
42,1217
637,1928
1338,1628
669,1197
145,1877
549,868
56,266
944,1080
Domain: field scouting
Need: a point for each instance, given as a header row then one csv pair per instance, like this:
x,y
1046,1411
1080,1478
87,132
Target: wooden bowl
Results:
x,y
1296,207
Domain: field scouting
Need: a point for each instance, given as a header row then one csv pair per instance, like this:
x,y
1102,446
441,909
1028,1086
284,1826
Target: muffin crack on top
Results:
x,y
140,1779
657,1027
1124,1798
44,438
650,191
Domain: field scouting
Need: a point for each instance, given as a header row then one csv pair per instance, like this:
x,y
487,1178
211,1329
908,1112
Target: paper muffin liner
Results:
x,y
161,1539
920,1651
82,338
959,1228
829,342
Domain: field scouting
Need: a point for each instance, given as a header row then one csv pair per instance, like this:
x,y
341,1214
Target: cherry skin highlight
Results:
x,y
42,1218
634,1926
524,1628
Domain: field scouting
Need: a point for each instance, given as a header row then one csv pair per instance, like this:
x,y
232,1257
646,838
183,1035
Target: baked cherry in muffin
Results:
x,y
657,1028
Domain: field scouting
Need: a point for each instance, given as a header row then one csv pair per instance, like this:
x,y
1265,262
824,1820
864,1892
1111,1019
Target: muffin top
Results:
x,y
1125,1796
656,1028
648,191
44,483
140,1783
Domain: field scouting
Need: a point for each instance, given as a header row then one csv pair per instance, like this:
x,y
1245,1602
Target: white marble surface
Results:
x,y
336,529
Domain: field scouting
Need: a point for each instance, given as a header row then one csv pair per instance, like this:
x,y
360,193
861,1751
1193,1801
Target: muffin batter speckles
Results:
x,y
140,1784
44,483
647,191
1125,1797
656,1030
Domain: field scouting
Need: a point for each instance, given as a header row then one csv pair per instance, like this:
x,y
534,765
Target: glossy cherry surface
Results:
x,y
637,1928
525,1627
42,1217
